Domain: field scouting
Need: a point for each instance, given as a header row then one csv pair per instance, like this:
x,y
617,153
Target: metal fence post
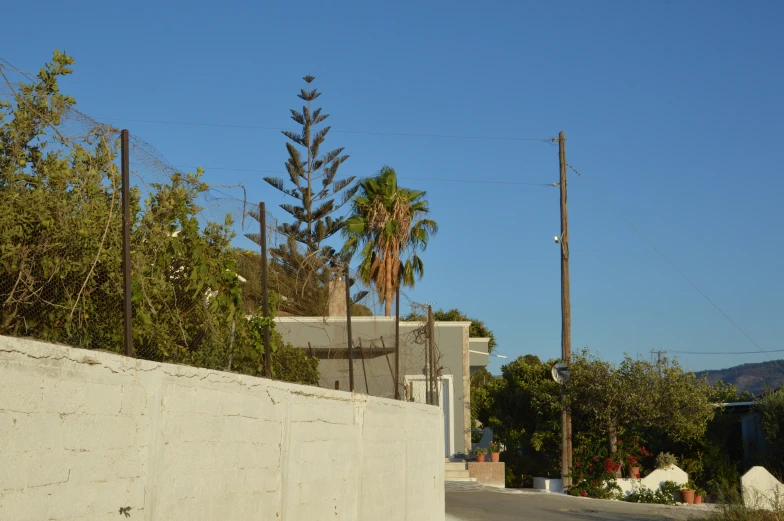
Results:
x,y
126,242
265,290
348,327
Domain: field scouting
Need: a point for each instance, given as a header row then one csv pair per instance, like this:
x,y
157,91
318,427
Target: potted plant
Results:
x,y
687,493
631,453
665,459
634,466
479,452
495,452
698,495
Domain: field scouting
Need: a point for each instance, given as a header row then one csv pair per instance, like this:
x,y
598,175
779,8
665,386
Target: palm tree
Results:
x,y
388,222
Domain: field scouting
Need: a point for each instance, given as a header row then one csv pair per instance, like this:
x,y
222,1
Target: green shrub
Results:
x,y
594,469
664,496
665,459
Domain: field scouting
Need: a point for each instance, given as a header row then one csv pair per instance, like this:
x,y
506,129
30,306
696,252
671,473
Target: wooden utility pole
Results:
x,y
659,354
566,315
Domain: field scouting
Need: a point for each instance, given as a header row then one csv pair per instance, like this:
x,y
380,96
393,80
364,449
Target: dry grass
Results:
x,y
739,512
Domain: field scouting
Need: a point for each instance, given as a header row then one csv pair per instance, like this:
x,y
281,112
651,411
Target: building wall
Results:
x,y
330,332
85,433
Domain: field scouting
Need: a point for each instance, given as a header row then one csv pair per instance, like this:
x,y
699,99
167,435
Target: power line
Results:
x,y
682,274
360,132
725,352
440,180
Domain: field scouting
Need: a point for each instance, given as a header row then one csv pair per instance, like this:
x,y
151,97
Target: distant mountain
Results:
x,y
749,377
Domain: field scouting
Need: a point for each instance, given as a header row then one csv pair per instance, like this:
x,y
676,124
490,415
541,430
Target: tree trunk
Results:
x,y
389,289
613,430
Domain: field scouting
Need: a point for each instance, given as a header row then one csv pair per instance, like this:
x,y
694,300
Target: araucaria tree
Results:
x,y
313,177
387,223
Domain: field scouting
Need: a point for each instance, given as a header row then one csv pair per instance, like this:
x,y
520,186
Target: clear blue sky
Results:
x,y
672,110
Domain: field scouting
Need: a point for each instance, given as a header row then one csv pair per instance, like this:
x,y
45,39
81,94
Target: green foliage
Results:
x,y
60,249
360,310
722,392
771,409
481,401
312,177
594,468
387,223
724,481
59,222
665,495
478,329
665,459
292,364
604,397
186,293
525,415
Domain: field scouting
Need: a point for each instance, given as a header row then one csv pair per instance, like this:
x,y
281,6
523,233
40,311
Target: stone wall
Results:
x,y
85,433
488,473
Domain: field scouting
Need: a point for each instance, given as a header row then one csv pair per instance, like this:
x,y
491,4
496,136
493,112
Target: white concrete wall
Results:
x,y
654,480
450,337
84,433
762,490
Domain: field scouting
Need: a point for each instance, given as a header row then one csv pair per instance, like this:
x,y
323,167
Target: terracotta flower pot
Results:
x,y
697,499
495,456
634,472
480,458
687,496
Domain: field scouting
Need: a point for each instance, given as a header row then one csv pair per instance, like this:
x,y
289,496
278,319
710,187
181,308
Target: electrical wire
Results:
x,y
435,179
359,132
672,264
725,352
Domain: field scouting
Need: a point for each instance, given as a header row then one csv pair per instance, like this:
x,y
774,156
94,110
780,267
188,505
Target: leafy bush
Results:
x,y
594,470
664,496
665,459
518,473
725,482
771,408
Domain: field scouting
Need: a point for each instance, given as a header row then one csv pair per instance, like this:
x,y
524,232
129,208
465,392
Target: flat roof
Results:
x,y
294,319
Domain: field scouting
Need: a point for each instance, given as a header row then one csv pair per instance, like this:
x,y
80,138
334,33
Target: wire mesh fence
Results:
x,y
196,262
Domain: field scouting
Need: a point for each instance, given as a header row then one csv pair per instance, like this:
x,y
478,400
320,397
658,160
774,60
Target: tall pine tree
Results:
x,y
312,177
302,275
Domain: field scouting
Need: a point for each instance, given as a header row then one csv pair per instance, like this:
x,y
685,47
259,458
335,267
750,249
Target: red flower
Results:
x,y
632,460
596,458
576,464
620,442
583,493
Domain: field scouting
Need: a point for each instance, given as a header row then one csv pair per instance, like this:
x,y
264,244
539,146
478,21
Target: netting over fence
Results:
x,y
195,257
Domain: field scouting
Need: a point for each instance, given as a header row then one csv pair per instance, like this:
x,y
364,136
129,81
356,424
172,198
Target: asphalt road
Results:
x,y
472,502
